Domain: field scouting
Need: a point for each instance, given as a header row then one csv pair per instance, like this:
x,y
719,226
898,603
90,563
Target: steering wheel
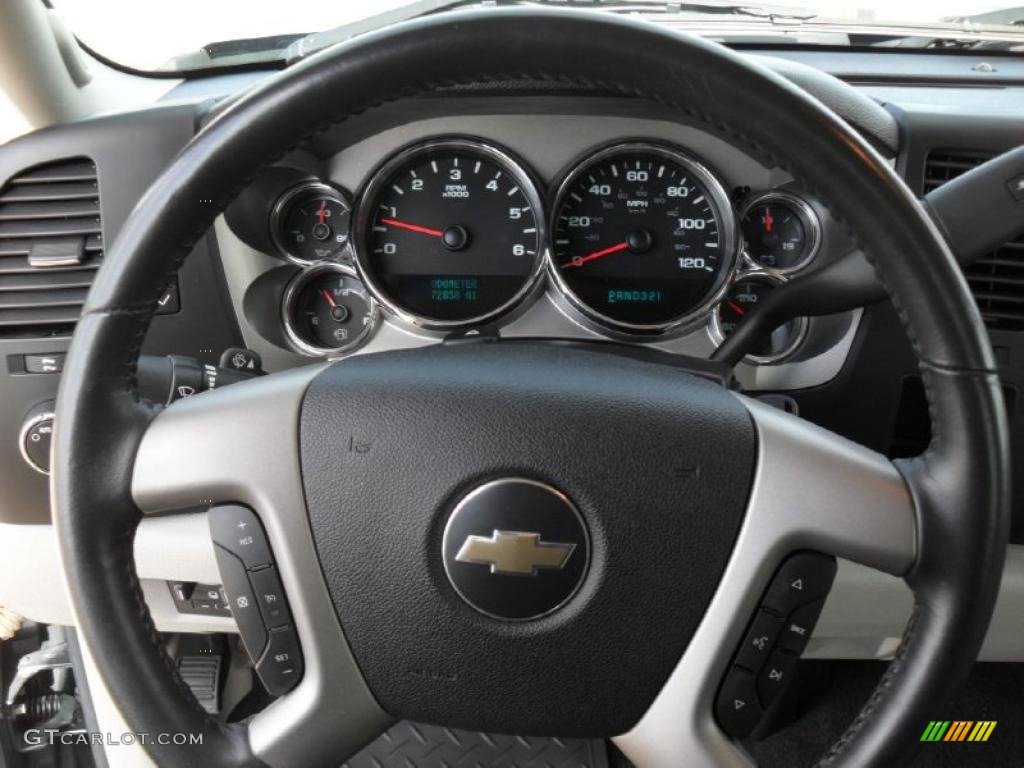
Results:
x,y
689,495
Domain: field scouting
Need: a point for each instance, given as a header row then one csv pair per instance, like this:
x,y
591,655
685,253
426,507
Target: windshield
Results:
x,y
181,35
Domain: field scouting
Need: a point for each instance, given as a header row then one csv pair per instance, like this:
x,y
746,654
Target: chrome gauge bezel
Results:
x,y
281,207
581,312
288,305
718,336
808,217
364,216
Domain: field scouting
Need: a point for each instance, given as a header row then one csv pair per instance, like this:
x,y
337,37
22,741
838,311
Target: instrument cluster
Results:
x,y
638,240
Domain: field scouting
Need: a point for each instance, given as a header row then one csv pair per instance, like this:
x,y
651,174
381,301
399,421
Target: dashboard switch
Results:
x,y
169,302
737,708
281,665
242,602
53,363
236,529
239,359
36,436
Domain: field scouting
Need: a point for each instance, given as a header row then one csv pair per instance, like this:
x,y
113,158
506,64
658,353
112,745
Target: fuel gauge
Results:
x,y
327,311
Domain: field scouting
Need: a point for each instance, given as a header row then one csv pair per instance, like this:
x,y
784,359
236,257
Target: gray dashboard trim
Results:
x,y
549,144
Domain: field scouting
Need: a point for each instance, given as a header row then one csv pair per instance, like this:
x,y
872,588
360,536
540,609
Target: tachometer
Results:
x,y
450,234
644,238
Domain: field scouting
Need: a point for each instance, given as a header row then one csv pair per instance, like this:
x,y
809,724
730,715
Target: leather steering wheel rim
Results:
x,y
960,485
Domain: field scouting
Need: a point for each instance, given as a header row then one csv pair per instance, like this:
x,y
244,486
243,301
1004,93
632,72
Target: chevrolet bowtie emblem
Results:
x,y
515,552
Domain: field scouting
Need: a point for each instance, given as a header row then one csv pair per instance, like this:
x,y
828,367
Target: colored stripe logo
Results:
x,y
958,730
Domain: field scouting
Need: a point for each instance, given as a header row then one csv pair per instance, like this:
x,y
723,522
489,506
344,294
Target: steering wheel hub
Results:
x,y
515,549
471,455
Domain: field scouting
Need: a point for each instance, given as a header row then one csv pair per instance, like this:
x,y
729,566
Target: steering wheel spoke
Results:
x,y
812,491
240,445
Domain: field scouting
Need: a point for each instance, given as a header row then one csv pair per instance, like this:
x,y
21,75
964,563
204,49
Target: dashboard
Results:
x,y
559,219
320,257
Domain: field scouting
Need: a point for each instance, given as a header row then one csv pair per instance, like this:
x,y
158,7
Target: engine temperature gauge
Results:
x,y
310,223
327,311
740,299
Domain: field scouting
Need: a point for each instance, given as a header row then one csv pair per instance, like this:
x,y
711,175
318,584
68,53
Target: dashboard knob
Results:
x,y
36,436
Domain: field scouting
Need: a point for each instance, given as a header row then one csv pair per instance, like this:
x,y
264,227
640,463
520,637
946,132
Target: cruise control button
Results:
x,y
270,595
775,676
802,579
242,602
760,640
796,630
281,665
737,708
238,530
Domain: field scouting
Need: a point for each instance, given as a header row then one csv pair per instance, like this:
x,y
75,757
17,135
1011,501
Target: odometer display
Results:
x,y
450,234
644,238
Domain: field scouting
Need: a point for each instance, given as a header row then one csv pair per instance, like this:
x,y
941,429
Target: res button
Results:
x,y
238,530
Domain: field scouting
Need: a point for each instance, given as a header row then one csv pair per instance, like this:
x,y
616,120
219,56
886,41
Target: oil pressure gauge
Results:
x,y
310,223
327,311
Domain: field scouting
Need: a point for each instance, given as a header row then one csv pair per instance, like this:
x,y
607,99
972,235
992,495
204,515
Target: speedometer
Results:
x,y
644,238
450,234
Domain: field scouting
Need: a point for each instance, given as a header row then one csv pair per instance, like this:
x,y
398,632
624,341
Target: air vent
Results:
x,y
997,280
51,244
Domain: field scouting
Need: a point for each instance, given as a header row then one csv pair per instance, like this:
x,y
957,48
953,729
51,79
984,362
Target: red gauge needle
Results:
x,y
327,295
412,227
736,308
579,261
769,222
322,213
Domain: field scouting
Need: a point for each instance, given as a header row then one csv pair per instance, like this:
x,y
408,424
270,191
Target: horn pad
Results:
x,y
653,464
